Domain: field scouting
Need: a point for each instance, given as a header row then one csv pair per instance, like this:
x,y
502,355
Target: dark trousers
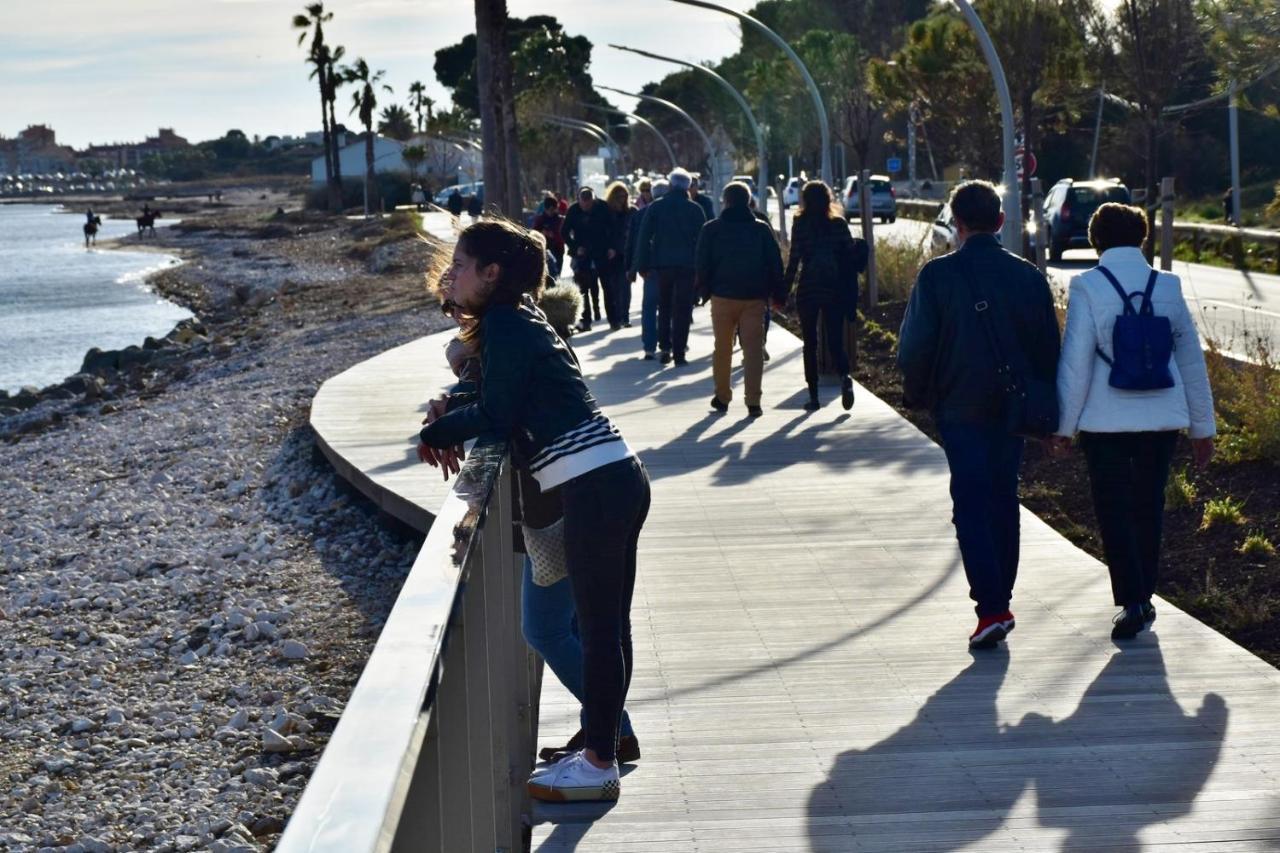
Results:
x,y
1128,472
617,296
984,464
588,281
604,510
675,308
832,318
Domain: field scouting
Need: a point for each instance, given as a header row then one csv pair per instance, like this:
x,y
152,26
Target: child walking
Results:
x,y
532,393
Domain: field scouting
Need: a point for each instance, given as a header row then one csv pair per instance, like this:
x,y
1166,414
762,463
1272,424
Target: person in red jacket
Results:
x,y
548,223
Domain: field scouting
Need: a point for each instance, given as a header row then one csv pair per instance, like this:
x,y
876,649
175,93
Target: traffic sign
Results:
x,y
894,165
1025,161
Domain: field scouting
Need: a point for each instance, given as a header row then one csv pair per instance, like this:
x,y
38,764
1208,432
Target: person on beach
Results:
x,y
962,304
549,223
1129,436
666,247
739,269
532,393
827,261
648,283
613,274
586,234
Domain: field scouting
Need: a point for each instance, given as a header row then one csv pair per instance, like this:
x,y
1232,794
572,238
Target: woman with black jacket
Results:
x,y
828,261
532,393
613,276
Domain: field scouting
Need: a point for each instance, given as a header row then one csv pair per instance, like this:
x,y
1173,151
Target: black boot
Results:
x,y
812,404
846,393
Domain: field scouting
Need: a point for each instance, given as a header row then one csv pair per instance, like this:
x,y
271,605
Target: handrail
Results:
x,y
436,741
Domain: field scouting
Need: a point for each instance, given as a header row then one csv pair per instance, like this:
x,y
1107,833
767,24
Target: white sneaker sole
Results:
x,y
608,791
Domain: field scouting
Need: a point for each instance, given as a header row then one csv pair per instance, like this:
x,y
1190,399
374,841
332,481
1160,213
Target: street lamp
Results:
x,y
640,120
824,129
662,102
1012,233
762,195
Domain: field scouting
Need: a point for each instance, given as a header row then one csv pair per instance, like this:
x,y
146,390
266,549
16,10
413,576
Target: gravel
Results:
x,y
187,591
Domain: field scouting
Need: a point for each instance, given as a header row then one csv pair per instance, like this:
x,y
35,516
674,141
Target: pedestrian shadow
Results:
x,y
1127,758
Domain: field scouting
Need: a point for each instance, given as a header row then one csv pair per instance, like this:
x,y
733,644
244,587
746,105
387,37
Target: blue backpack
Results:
x,y
1141,342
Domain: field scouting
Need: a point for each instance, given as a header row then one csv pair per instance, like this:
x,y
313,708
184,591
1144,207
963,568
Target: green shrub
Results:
x,y
1257,545
1179,492
1222,511
1247,402
898,262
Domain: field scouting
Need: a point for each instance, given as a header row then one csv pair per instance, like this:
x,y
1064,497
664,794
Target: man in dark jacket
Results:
x,y
739,269
696,195
948,364
665,247
586,235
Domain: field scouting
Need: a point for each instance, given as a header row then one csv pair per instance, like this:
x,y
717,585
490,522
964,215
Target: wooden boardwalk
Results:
x,y
802,681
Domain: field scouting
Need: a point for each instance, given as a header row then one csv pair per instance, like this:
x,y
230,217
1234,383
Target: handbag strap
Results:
x,y
982,306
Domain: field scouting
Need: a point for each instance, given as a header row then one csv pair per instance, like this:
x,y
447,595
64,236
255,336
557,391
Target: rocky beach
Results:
x,y
187,591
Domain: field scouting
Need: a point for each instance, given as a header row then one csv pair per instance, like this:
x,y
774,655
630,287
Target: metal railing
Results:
x,y
435,744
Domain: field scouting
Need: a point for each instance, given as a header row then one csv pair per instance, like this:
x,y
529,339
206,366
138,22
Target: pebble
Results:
x,y
155,581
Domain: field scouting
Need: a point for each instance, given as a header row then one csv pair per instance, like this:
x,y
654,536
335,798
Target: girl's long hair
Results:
x,y
617,196
521,257
816,200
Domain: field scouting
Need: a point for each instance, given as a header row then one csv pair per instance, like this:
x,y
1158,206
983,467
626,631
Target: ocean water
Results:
x,y
58,299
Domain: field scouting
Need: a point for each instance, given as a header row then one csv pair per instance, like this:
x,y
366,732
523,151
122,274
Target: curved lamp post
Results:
x,y
594,130
1012,233
662,102
762,196
824,128
639,120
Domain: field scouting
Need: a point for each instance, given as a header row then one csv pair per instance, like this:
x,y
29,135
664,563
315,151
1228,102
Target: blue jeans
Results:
x,y
984,464
649,313
551,629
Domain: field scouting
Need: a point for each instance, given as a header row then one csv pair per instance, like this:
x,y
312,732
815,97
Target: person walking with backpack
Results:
x,y
665,247
1132,375
828,261
979,347
739,270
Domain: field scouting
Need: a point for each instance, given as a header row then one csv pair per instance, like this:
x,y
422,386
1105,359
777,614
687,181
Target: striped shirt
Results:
x,y
592,444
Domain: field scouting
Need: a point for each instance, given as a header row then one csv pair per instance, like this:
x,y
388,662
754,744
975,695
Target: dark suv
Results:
x,y
1067,210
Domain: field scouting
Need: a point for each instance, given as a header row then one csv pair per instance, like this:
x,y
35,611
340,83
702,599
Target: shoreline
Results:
x,y
189,590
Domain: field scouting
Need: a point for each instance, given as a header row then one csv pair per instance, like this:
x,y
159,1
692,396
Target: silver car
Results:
x,y
884,201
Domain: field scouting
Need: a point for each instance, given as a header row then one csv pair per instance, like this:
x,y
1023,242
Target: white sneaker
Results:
x,y
574,779
551,765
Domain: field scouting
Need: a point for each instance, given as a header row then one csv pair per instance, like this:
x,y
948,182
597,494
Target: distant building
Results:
x,y
35,151
445,163
129,155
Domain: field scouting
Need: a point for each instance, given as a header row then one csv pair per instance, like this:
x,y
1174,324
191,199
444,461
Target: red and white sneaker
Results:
x,y
991,630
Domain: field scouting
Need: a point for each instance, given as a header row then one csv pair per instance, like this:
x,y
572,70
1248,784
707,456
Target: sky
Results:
x,y
117,71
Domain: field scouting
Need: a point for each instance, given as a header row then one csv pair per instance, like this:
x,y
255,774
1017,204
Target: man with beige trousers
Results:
x,y
738,268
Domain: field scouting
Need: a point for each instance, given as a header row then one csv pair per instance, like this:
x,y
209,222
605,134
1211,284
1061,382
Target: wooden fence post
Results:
x,y
1166,224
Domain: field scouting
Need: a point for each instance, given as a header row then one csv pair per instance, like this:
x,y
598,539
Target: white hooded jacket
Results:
x,y
1086,400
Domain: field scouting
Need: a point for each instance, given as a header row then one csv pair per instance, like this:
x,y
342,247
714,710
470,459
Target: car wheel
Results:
x,y
893,219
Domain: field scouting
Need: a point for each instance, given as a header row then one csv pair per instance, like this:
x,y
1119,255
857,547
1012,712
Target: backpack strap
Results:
x,y
1147,307
1124,297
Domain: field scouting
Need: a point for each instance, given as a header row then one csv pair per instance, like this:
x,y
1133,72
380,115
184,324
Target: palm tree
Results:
x,y
413,156
395,122
364,101
417,100
335,80
312,23
430,105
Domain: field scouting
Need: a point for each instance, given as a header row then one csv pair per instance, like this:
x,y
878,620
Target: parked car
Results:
x,y
791,192
1069,206
467,190
884,201
746,179
942,233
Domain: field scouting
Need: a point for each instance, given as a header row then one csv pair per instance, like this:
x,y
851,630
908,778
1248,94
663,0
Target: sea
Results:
x,y
58,299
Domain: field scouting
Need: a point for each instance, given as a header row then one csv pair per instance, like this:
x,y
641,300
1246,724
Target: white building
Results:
x,y
444,163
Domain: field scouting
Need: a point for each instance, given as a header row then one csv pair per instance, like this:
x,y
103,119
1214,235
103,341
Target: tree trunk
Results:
x,y
369,175
328,149
497,109
337,155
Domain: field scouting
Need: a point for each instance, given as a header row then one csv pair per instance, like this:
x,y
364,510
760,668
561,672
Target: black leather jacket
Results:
x,y
945,355
531,389
738,258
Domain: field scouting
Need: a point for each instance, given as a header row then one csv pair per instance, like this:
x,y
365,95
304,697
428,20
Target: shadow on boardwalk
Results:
x,y
1127,758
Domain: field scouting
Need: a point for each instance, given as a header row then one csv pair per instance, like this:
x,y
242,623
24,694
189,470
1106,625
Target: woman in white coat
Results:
x,y
1128,437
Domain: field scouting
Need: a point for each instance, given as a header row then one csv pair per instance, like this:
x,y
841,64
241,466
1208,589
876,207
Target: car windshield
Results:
x,y
1094,196
880,186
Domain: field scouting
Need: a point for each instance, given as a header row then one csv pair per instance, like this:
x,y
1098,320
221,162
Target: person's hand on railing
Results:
x,y
449,459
